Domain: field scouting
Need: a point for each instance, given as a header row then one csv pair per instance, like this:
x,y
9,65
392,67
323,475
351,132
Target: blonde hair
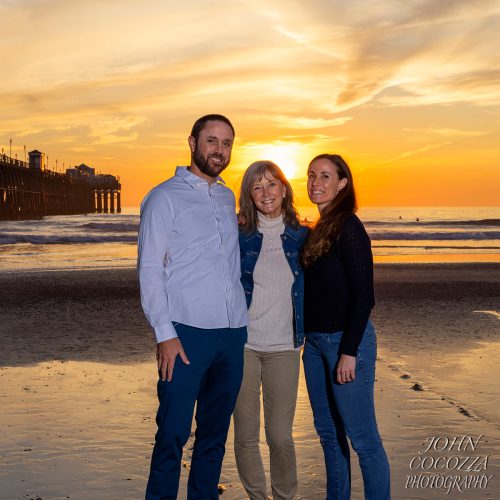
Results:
x,y
255,172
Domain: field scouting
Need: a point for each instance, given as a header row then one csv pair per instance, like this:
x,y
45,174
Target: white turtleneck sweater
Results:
x,y
271,311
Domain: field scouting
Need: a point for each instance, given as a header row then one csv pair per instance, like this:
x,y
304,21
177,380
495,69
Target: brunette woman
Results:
x,y
340,347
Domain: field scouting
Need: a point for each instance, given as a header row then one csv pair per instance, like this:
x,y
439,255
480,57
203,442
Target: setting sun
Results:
x,y
284,156
290,157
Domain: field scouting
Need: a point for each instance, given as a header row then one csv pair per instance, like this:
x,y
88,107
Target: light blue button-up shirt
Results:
x,y
189,259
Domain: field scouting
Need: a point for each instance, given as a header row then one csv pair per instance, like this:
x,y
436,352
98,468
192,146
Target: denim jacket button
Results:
x,y
288,254
296,273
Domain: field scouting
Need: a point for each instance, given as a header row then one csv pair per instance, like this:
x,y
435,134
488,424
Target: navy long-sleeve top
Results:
x,y
339,292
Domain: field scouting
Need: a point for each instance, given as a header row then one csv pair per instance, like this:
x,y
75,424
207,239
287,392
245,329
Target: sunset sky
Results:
x,y
408,92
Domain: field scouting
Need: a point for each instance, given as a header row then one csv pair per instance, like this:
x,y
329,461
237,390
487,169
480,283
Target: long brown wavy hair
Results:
x,y
255,172
332,217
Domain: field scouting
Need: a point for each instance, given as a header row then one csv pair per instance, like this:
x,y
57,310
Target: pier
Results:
x,y
29,190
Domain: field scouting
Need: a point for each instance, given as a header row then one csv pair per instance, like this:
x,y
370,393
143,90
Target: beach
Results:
x,y
78,386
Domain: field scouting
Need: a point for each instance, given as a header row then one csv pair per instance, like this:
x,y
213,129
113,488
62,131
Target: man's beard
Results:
x,y
203,163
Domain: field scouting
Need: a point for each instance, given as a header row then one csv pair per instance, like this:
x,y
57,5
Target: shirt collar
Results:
x,y
192,179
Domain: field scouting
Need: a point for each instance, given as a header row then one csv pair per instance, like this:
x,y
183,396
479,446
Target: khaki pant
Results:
x,y
279,374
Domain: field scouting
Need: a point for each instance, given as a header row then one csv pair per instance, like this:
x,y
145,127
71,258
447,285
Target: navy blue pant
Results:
x,y
212,381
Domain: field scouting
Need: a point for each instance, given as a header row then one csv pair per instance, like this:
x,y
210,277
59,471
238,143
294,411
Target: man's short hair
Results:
x,y
200,123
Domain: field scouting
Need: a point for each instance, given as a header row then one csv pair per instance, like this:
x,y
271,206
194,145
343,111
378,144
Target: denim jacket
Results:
x,y
292,241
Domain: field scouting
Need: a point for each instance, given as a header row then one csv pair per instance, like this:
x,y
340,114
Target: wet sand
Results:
x,y
77,384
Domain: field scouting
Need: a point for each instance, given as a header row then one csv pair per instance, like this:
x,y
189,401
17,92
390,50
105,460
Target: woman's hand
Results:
x,y
242,220
346,369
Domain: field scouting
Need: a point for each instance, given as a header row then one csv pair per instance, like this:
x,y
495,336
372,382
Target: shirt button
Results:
x,y
288,254
295,294
296,273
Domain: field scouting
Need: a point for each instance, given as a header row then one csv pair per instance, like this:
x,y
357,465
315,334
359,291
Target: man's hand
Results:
x,y
346,369
166,352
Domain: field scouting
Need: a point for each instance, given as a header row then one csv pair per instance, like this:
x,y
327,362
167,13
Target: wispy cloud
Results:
x,y
414,152
447,132
117,129
81,149
303,122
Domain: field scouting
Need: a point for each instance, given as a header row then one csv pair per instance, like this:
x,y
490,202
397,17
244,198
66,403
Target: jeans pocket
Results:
x,y
334,339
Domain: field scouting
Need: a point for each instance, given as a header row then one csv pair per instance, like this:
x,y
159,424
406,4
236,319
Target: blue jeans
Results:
x,y
212,381
346,410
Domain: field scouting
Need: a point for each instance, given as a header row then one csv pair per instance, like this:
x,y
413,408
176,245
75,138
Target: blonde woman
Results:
x,y
270,242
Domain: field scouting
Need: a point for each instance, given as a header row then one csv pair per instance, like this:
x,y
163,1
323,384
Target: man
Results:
x,y
189,273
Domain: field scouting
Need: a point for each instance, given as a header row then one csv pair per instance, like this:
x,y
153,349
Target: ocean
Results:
x,y
408,234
